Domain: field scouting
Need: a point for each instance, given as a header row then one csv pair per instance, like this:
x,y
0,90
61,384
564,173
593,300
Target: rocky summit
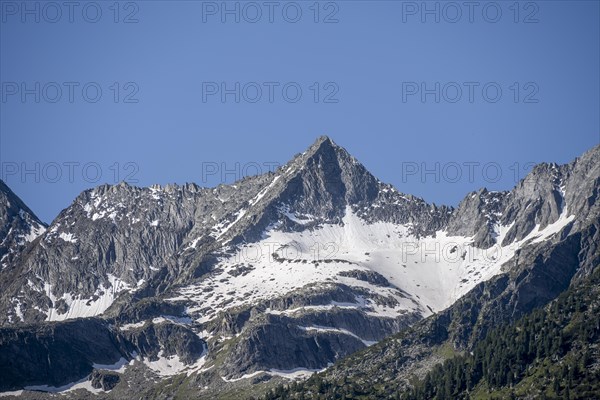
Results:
x,y
227,292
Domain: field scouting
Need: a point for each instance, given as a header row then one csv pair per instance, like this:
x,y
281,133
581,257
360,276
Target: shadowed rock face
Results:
x,y
18,226
128,251
263,348
56,354
165,338
104,380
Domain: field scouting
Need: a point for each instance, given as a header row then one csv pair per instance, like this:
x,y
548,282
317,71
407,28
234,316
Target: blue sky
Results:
x,y
416,100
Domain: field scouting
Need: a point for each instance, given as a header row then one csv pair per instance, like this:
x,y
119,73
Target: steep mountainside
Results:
x,y
538,272
283,274
551,353
18,226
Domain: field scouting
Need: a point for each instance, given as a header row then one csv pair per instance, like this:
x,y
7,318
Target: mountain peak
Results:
x,y
327,151
322,139
322,144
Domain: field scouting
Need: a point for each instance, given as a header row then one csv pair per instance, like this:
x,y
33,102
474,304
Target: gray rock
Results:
x,y
19,226
55,354
59,353
168,338
104,380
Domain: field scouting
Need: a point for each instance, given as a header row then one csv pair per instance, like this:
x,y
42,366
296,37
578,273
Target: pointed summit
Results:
x,y
18,225
325,142
322,139
326,153
328,171
322,182
320,144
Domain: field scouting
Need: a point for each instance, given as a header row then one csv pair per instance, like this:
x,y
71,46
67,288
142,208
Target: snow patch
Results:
x,y
245,376
98,215
552,229
84,383
296,373
173,319
327,329
426,274
67,237
127,327
158,320
34,233
193,244
13,393
119,366
86,307
172,365
18,310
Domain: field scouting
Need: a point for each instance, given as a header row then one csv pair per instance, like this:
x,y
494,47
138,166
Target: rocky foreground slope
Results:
x,y
215,291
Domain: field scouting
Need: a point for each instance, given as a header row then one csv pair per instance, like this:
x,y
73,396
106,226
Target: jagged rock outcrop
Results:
x,y
19,226
104,380
165,338
477,215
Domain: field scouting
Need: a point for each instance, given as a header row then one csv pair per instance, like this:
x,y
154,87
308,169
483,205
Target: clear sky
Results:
x,y
191,91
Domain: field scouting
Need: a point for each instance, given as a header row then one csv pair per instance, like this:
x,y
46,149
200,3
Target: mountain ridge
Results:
x,y
341,261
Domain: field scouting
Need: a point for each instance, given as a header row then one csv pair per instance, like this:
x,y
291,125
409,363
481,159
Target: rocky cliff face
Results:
x,y
57,354
114,239
19,226
284,273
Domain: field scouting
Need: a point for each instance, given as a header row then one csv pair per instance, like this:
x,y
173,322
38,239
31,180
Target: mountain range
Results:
x,y
229,292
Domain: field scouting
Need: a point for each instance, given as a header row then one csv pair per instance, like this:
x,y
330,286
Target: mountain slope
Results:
x,y
551,352
283,274
113,239
18,225
536,275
